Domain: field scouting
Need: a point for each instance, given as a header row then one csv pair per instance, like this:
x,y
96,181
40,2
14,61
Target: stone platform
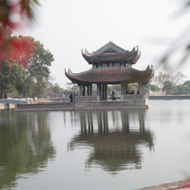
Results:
x,y
88,103
82,106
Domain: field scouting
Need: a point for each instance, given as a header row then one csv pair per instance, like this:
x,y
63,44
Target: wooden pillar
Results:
x,y
122,91
105,91
102,91
98,92
124,87
80,89
141,88
88,90
83,90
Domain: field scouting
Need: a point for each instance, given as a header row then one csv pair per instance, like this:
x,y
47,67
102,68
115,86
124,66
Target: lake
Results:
x,y
94,150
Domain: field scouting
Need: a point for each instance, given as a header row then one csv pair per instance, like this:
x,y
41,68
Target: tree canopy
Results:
x,y
24,67
171,84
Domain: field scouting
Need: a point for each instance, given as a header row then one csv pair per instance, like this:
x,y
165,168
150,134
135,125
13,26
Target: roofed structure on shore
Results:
x,y
111,64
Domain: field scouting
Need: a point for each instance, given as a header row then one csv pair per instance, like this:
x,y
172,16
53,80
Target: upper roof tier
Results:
x,y
111,53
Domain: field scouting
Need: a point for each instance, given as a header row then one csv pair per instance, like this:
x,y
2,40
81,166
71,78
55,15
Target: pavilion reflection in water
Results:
x,y
116,139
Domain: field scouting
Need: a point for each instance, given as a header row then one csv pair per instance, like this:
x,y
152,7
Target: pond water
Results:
x,y
113,149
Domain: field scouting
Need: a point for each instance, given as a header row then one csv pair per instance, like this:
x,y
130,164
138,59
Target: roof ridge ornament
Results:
x,y
69,71
112,46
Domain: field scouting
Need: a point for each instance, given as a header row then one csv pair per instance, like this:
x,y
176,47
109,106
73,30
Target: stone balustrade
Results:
x,y
133,97
78,99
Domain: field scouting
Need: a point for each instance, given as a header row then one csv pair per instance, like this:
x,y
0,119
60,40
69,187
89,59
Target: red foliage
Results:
x,y
21,50
187,184
18,49
13,15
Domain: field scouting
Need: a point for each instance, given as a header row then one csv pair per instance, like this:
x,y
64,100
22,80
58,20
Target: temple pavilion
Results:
x,y
111,64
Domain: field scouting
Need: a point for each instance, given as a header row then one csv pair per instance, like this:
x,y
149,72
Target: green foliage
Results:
x,y
167,87
56,89
53,90
169,83
18,77
186,87
38,70
109,89
30,81
133,86
115,87
72,87
160,79
187,83
4,80
153,88
12,78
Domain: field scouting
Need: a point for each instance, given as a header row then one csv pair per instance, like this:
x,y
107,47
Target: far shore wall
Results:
x,y
172,97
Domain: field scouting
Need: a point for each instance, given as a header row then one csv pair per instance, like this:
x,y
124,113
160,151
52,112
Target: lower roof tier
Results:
x,y
112,76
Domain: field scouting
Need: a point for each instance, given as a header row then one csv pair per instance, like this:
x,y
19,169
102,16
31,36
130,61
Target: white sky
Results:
x,y
67,26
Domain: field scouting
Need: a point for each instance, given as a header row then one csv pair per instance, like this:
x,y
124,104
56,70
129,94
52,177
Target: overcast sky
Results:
x,y
67,26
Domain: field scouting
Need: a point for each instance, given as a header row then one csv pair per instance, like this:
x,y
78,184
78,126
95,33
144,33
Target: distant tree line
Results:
x,y
171,84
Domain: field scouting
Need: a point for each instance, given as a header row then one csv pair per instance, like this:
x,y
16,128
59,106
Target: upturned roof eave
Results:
x,y
90,77
99,55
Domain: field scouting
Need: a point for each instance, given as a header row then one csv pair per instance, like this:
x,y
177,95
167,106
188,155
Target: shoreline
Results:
x,y
181,185
59,105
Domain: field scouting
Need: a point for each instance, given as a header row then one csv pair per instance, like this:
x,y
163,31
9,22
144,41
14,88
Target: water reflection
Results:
x,y
116,139
25,145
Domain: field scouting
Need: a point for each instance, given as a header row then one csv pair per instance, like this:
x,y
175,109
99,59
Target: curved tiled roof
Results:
x,y
111,76
112,53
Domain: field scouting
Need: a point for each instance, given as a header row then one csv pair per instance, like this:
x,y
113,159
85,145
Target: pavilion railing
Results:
x,y
85,98
133,97
79,99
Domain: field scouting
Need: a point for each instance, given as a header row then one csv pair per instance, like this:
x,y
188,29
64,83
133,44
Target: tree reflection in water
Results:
x,y
116,137
25,145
